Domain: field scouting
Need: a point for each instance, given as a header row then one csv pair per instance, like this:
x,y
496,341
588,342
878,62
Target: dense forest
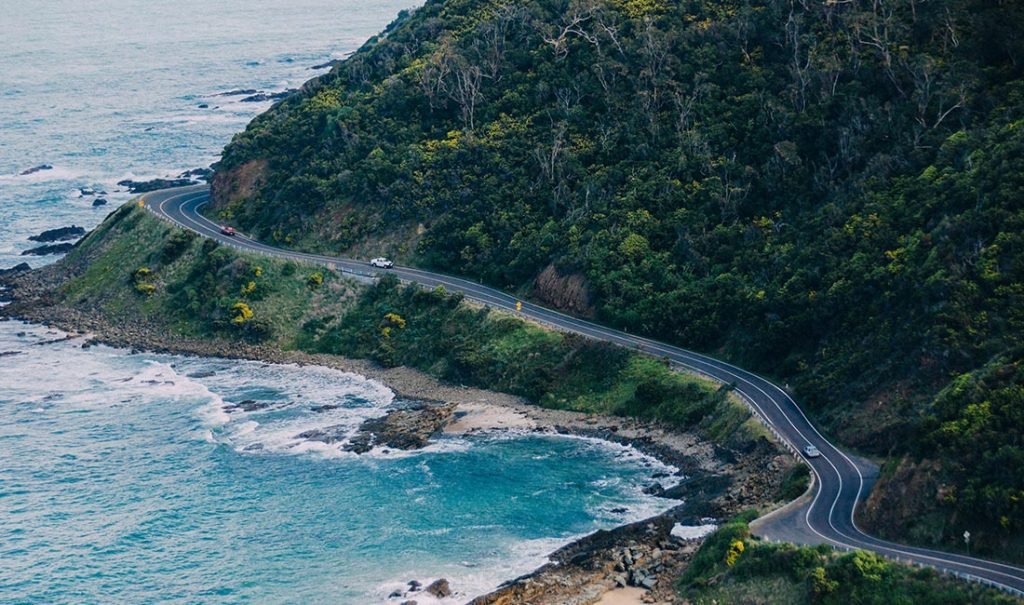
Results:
x,y
826,192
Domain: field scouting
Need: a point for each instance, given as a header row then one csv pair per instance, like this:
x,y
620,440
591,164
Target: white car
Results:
x,y
811,452
381,263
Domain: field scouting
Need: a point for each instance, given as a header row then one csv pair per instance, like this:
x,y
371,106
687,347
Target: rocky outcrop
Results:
x,y
100,201
328,65
268,96
202,174
153,185
912,498
643,554
48,249
19,268
60,234
403,429
566,292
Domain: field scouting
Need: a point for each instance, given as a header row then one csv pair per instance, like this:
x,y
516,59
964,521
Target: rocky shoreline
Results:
x,y
714,483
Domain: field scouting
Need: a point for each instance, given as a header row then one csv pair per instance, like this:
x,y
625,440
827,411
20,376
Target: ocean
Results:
x,y
131,477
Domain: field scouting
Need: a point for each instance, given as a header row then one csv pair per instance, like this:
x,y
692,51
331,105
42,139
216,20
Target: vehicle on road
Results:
x,y
810,451
227,230
381,263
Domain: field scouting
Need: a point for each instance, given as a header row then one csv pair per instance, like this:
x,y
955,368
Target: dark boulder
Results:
x,y
48,249
100,201
59,235
439,588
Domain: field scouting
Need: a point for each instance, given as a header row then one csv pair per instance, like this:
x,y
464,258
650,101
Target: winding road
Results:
x,y
841,480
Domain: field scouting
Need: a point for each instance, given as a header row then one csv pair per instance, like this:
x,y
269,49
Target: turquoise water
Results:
x,y
129,478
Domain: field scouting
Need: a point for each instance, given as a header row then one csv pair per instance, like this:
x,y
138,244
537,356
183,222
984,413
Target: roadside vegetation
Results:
x,y
465,343
138,269
824,192
733,567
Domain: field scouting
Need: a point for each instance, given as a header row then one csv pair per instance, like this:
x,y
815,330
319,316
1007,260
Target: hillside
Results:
x,y
828,193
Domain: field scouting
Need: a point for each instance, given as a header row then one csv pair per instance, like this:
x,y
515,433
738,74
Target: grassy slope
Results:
x,y
193,284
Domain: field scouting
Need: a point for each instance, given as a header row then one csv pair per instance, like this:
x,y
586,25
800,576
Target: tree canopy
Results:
x,y
827,192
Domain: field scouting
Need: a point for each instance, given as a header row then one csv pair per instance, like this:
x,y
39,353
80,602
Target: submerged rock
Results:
x,y
238,92
328,435
100,201
248,405
36,169
59,235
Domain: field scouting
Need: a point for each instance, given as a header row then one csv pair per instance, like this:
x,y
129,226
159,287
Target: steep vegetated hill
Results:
x,y
827,192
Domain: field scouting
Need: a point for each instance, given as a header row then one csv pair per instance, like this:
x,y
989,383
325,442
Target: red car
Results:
x,y
227,230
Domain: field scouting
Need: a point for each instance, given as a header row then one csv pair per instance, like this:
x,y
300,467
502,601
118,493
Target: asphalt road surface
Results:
x,y
841,481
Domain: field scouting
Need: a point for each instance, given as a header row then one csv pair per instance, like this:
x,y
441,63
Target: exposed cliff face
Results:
x,y
234,186
568,293
912,500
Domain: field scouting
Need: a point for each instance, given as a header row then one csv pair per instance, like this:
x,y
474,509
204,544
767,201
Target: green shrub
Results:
x,y
795,482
